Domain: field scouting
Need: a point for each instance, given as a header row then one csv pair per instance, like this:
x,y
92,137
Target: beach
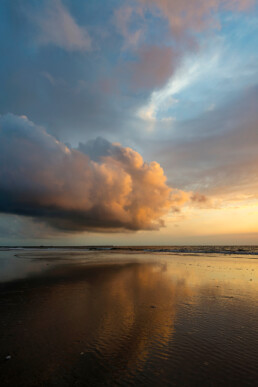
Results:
x,y
128,317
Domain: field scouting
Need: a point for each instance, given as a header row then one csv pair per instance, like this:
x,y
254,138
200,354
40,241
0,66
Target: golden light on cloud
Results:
x,y
116,190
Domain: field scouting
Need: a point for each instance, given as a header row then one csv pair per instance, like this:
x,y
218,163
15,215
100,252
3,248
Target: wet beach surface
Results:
x,y
76,318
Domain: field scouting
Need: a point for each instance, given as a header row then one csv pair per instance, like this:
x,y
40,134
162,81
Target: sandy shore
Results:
x,y
117,319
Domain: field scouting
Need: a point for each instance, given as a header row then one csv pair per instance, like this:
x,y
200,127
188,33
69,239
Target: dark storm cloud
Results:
x,y
42,178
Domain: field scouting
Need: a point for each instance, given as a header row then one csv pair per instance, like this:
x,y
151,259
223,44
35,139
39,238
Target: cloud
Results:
x,y
217,152
190,72
160,33
58,27
153,66
99,186
194,15
122,20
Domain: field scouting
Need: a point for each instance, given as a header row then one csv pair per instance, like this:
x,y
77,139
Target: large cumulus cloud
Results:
x,y
99,186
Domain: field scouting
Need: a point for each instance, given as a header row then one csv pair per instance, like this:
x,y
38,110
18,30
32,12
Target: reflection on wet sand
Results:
x,y
175,321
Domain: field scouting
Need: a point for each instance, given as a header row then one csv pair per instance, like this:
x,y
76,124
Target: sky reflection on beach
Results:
x,y
138,318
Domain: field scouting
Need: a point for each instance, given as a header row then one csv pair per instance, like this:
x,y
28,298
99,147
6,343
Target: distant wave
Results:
x,y
236,250
227,250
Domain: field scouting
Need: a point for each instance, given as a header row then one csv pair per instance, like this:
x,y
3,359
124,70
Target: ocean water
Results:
x,y
166,316
237,250
200,249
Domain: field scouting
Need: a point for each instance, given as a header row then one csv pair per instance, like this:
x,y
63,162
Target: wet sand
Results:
x,y
111,318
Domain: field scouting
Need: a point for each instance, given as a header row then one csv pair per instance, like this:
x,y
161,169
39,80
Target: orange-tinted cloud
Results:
x,y
156,62
195,14
98,186
153,66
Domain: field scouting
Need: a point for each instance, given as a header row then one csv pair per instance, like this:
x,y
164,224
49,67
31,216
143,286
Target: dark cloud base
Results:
x,y
99,186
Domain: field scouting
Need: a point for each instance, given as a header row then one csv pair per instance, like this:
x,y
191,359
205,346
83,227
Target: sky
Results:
x,y
129,122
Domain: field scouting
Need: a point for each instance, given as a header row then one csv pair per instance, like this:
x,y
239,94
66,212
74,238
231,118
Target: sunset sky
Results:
x,y
128,122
